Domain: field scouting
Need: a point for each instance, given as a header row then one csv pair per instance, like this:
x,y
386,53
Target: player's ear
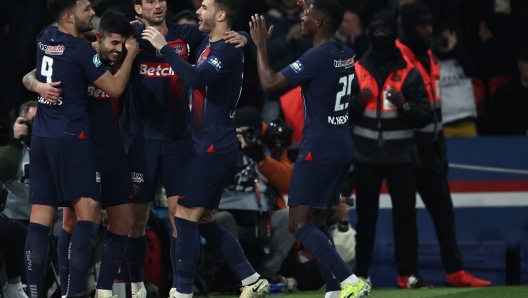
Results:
x,y
221,16
67,18
98,37
138,8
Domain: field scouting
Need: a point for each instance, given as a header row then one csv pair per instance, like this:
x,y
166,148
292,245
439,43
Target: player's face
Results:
x,y
308,23
207,16
424,32
152,11
83,15
112,47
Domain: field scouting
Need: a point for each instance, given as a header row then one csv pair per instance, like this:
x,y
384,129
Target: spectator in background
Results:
x,y
457,68
284,47
351,33
186,17
509,105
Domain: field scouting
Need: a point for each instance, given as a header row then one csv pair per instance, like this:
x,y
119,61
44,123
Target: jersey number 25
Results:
x,y
345,92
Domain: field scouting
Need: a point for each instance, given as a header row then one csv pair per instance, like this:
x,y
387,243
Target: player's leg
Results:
x,y
44,197
36,248
117,199
69,219
174,155
144,158
82,243
227,247
305,199
113,247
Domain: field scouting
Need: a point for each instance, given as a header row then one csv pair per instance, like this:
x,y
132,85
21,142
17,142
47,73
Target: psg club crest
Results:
x,y
159,54
178,49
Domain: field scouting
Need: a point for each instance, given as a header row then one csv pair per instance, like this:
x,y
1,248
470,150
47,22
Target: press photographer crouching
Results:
x,y
15,210
252,206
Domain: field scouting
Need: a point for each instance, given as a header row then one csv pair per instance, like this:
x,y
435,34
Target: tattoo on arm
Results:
x,y
29,81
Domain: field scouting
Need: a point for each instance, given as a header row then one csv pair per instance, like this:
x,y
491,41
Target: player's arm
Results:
x,y
194,77
48,91
239,38
114,85
269,79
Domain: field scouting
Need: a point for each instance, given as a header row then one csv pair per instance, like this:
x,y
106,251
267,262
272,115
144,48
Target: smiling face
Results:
x,y
82,16
152,11
112,47
308,23
207,16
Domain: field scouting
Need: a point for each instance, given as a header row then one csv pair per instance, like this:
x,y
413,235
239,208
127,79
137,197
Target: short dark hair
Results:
x,y
332,9
24,108
231,7
185,14
138,2
113,21
58,7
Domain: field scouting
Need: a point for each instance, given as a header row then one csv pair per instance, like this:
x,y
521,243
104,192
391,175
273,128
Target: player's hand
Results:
x,y
155,37
258,31
363,96
131,47
303,5
235,38
395,97
138,20
49,91
19,128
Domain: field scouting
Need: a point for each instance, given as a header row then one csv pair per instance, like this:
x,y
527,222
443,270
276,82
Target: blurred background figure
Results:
x,y
351,33
186,17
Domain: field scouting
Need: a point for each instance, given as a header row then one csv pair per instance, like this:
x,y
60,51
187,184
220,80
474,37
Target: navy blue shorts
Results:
x,y
62,171
154,160
116,184
206,175
317,185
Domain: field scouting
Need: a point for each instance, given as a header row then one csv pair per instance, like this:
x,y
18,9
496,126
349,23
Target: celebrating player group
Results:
x,y
136,79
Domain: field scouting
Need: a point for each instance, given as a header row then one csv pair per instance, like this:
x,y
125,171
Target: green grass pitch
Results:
x,y
439,292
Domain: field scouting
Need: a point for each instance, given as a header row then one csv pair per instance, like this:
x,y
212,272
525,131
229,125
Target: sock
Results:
x,y
82,245
35,254
228,247
112,250
332,284
188,250
136,286
14,280
62,248
318,244
135,254
174,261
251,279
351,280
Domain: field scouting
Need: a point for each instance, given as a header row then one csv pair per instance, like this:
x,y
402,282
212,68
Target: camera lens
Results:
x,y
251,136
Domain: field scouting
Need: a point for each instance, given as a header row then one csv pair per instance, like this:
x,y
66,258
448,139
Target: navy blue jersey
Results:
x,y
325,74
217,80
104,120
157,104
62,57
213,106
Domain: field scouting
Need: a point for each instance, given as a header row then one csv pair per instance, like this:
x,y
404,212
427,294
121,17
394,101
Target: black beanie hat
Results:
x,y
384,17
414,14
248,116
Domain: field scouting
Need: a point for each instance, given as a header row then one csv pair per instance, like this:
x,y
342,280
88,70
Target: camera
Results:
x,y
251,136
279,134
27,138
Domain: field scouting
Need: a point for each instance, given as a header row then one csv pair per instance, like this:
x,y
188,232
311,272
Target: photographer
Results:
x,y
14,164
253,207
14,174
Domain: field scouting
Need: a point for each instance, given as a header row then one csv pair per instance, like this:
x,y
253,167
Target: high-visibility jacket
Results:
x,y
380,122
434,130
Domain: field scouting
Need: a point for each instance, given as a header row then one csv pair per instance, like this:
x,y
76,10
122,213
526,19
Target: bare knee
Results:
x,y
141,216
69,219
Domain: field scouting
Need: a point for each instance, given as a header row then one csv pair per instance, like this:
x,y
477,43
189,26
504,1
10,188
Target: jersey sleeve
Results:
x,y
305,69
218,63
90,62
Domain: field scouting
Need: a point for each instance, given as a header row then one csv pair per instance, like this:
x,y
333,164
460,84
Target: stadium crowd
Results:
x,y
234,181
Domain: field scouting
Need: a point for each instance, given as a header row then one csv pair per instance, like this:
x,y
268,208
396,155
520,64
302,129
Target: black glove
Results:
x,y
255,152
